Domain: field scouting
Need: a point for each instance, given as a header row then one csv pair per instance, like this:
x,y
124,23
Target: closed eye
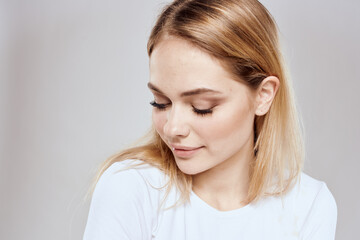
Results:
x,y
163,106
160,106
202,112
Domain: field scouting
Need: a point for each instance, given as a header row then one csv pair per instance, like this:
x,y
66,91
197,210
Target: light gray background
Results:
x,y
73,91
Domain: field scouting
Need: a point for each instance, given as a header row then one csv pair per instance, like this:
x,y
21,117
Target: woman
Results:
x,y
225,155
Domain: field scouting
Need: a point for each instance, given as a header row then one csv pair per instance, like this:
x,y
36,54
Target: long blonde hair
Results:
x,y
243,35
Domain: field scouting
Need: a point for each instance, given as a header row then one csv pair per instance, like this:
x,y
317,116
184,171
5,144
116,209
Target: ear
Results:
x,y
265,94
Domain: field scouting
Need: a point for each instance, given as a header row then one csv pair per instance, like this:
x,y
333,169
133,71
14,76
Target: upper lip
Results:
x,y
179,147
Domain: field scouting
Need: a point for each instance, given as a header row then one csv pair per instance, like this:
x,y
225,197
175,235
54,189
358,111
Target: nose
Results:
x,y
175,125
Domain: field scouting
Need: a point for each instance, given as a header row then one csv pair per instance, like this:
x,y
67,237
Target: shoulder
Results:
x,y
313,191
313,202
306,195
126,183
125,202
133,169
130,176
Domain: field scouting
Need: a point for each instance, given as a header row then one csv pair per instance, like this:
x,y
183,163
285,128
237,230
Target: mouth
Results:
x,y
185,152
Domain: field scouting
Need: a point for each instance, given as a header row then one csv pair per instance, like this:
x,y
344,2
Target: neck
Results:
x,y
226,185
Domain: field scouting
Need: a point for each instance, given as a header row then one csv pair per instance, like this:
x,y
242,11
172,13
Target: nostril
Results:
x,y
172,130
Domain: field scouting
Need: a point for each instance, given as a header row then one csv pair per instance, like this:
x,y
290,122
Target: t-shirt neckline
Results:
x,y
197,202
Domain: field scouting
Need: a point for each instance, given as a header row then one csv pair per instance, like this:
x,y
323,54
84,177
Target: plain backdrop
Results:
x,y
73,92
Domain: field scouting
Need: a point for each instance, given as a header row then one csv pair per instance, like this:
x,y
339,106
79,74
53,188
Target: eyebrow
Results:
x,y
187,93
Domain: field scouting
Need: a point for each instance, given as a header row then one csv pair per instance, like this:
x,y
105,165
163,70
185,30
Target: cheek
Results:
x,y
227,126
159,120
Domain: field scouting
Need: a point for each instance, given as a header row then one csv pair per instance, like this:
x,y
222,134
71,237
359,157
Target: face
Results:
x,y
203,114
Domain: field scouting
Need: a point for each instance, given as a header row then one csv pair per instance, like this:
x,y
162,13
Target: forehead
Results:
x,y
179,64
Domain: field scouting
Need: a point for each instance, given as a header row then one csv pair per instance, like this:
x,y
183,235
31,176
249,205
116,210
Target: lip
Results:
x,y
184,151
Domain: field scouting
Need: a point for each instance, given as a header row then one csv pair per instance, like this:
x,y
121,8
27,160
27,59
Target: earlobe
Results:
x,y
265,94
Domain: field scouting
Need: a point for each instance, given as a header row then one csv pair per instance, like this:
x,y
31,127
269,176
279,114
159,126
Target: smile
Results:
x,y
185,152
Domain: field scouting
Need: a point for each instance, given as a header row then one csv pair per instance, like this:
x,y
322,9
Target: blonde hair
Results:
x,y
243,35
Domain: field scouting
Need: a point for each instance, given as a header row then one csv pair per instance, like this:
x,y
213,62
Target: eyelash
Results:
x,y
201,112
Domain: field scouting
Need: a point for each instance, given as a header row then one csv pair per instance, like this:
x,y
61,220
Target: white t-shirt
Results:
x,y
126,205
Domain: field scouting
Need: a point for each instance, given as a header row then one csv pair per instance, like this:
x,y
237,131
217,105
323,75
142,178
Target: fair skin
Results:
x,y
207,119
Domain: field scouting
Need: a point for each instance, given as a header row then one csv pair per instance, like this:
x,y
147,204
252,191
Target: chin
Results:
x,y
189,168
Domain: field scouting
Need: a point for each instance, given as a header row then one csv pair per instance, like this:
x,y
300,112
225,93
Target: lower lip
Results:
x,y
186,153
